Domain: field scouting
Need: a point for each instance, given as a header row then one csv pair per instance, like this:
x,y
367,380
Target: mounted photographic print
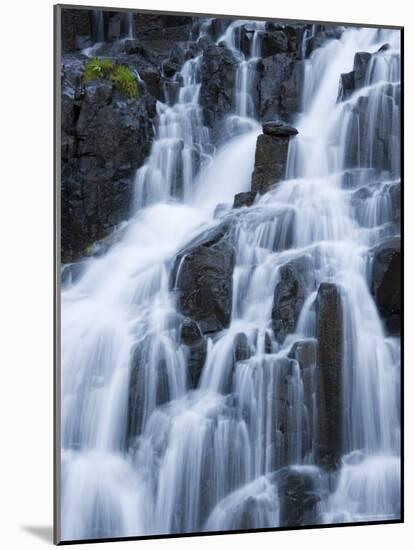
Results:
x,y
228,267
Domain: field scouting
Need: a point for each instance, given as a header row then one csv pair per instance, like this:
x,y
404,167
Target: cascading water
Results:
x,y
170,459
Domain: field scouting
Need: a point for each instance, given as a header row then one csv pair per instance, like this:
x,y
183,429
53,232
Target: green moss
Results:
x,y
121,76
124,81
97,68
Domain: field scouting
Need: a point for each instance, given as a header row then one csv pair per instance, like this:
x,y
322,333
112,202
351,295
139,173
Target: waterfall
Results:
x,y
165,458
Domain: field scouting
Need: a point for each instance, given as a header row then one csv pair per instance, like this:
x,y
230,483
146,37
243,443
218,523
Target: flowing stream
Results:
x,y
212,458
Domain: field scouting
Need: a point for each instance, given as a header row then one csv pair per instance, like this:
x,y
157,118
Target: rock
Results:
x,y
273,71
395,193
304,351
291,90
275,128
152,78
270,162
241,347
297,490
329,330
218,76
246,198
357,78
138,388
161,32
204,282
320,38
76,29
196,350
289,296
273,42
97,172
218,27
386,282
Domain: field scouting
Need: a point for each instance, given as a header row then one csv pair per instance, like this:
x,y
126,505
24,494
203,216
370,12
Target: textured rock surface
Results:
x,y
271,156
204,282
196,350
289,296
329,329
386,282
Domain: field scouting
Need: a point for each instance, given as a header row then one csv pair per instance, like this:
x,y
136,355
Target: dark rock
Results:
x,y
76,29
273,43
329,329
275,128
273,71
270,162
244,199
297,490
152,78
104,140
320,38
218,27
161,32
218,76
289,296
196,349
304,351
291,90
204,282
242,350
138,388
395,193
132,46
386,282
357,78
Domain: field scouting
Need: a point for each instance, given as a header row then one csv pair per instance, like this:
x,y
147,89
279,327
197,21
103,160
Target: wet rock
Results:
x,y
104,139
244,199
271,157
161,33
274,71
357,78
218,75
289,296
297,490
275,128
196,350
329,329
321,37
291,90
241,348
386,282
204,282
304,351
138,389
395,193
76,29
273,43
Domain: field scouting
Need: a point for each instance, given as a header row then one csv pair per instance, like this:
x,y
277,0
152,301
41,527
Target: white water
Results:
x,y
201,459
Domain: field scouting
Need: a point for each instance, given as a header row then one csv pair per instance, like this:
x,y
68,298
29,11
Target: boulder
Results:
x,y
329,330
271,157
204,281
246,198
289,296
321,37
386,282
241,348
305,353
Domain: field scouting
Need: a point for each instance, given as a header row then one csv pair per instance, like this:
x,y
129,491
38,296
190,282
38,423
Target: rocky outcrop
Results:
x,y
320,38
271,156
246,198
204,281
104,140
218,76
329,330
289,296
386,282
196,350
161,33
